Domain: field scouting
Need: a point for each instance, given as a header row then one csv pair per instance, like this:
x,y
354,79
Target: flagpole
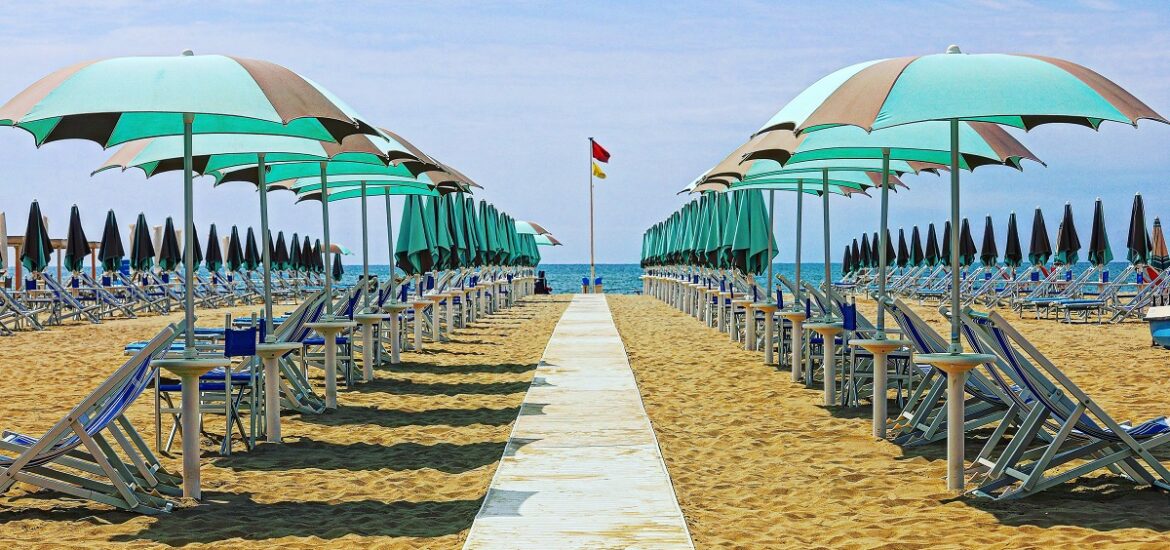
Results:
x,y
592,269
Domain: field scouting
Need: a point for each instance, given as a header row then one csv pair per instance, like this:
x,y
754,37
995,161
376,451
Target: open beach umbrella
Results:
x,y
169,255
1137,240
989,252
967,252
111,252
251,252
235,252
1159,255
280,258
903,256
338,271
1013,255
1068,244
214,259
141,247
1039,247
1100,253
37,247
917,256
76,245
931,255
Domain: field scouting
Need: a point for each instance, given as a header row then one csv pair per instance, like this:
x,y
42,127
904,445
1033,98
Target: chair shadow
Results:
x,y
430,368
1101,503
392,418
408,387
307,452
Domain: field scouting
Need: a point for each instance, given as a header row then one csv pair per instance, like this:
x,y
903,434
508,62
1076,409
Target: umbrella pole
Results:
x,y
365,253
395,341
882,259
325,232
955,346
828,266
263,187
188,230
797,335
771,230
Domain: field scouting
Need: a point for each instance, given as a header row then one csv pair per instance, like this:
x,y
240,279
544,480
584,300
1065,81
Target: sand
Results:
x,y
758,463
403,463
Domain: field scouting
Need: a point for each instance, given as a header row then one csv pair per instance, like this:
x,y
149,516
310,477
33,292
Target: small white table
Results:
x,y
769,311
956,366
270,354
189,370
420,306
368,321
796,342
828,332
880,348
393,311
329,331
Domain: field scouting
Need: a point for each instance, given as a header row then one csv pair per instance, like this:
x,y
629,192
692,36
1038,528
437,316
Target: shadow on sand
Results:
x,y
307,452
393,418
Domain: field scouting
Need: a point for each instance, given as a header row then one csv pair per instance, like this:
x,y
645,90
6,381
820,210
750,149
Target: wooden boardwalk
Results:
x,y
582,468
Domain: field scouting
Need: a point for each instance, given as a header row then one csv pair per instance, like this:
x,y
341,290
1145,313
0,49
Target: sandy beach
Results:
x,y
758,463
403,463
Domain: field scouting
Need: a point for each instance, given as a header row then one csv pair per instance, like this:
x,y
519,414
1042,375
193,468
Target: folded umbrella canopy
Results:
x,y
1039,247
251,252
903,256
967,252
1013,255
111,252
235,251
280,258
307,265
855,257
338,271
197,253
989,252
875,250
946,244
413,253
1137,240
37,249
753,235
1100,253
318,257
917,256
931,255
214,259
141,246
847,261
169,256
1159,255
294,253
76,245
1068,244
866,259
437,218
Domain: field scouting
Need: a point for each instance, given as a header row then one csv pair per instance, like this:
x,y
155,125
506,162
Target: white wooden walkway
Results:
x,y
582,468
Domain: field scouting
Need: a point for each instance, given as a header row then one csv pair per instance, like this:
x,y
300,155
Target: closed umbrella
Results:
x,y
280,259
318,257
307,264
891,253
1137,241
1013,254
1100,253
856,256
37,247
874,248
111,251
917,256
989,252
198,252
294,253
169,256
866,259
412,254
252,257
967,252
1039,247
235,252
141,247
338,271
946,244
1159,255
214,259
903,249
1068,244
847,261
932,255
76,245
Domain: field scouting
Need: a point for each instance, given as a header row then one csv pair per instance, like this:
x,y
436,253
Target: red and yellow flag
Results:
x,y
600,154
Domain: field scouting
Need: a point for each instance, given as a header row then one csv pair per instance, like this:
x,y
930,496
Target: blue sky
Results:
x,y
510,92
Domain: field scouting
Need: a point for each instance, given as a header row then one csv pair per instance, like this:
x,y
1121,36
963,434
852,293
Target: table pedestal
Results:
x,y
956,366
880,348
828,332
796,341
769,311
329,330
394,310
189,371
270,354
420,308
368,321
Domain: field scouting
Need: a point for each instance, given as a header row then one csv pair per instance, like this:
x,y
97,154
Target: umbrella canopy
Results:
x,y
1159,255
76,245
280,257
753,236
318,257
967,252
530,228
847,261
1137,240
235,251
1012,253
294,253
917,256
111,251
1100,253
989,252
141,247
307,265
252,256
865,260
1039,248
214,259
874,250
439,219
338,271
1068,244
37,247
903,256
546,240
169,255
931,255
855,256
412,254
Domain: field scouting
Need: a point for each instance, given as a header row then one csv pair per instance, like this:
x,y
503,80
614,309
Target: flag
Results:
x,y
597,171
599,153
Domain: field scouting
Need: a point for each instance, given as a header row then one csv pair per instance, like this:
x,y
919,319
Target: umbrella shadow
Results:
x,y
409,387
1102,503
428,368
449,458
392,418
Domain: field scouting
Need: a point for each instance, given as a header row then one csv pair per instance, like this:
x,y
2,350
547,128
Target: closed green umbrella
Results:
x,y
198,252
752,235
413,251
1039,247
439,217
307,265
1068,244
251,252
931,256
1100,253
294,253
473,230
76,245
904,258
37,247
141,247
318,257
1013,254
967,251
214,259
280,258
111,252
917,255
235,251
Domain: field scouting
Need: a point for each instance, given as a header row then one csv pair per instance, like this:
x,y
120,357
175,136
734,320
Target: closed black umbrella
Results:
x,y
169,256
967,252
235,252
198,250
141,247
111,252
1100,253
37,247
294,253
318,258
917,256
1068,244
280,253
214,254
1137,241
847,262
855,257
338,270
252,257
1039,248
76,245
989,252
903,250
1012,253
931,256
307,264
866,260
874,245
891,254
945,254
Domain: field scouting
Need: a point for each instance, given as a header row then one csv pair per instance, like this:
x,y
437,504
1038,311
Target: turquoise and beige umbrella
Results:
x,y
546,240
76,245
530,228
111,252
115,101
37,248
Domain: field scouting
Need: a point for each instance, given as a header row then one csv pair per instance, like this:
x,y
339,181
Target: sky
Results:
x,y
510,92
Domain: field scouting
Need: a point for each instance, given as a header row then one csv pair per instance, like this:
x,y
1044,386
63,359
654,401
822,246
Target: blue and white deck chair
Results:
x,y
94,452
1087,438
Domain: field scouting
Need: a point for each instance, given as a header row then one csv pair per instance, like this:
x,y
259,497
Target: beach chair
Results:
x,y
1086,440
59,304
94,452
17,314
1156,292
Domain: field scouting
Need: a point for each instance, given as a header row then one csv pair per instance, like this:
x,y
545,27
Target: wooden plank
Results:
x,y
582,468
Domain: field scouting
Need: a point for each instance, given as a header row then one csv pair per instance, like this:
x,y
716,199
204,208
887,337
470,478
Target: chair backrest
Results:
x,y
927,340
240,342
